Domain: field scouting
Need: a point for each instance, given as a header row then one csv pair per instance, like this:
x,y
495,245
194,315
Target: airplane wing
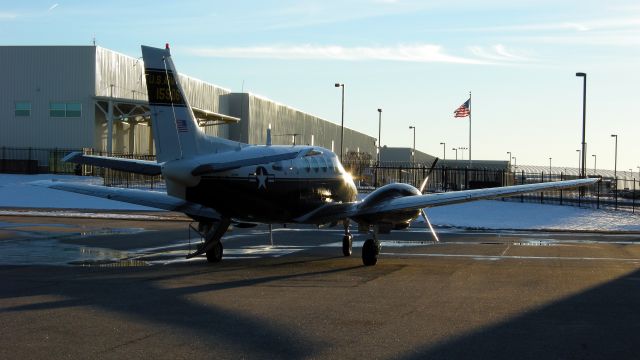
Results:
x,y
335,212
129,165
134,196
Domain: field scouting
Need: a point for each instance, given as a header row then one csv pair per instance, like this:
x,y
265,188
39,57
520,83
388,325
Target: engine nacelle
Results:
x,y
396,219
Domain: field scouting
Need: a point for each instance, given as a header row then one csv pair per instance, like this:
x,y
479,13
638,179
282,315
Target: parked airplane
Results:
x,y
218,182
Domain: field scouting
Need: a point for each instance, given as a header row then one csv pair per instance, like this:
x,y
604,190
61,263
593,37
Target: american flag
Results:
x,y
463,110
182,125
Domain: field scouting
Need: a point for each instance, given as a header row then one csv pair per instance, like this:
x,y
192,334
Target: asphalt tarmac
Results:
x,y
114,288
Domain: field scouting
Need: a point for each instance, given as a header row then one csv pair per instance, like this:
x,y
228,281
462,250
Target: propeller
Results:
x,y
426,178
426,219
422,212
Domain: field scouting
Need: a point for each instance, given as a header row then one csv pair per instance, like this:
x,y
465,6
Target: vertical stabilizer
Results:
x,y
175,130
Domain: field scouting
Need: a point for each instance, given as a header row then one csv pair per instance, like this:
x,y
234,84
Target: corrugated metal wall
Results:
x,y
126,74
40,75
257,113
44,74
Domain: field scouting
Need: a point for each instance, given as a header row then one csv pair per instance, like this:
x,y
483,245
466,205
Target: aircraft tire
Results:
x,y
215,254
347,245
370,251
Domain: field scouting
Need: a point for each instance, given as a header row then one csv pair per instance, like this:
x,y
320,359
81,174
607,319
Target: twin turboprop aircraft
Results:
x,y
218,182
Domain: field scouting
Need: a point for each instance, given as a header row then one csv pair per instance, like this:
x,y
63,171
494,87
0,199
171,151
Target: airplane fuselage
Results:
x,y
276,192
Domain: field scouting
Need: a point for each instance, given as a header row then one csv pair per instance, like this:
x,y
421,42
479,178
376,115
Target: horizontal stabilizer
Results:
x,y
230,165
153,199
145,167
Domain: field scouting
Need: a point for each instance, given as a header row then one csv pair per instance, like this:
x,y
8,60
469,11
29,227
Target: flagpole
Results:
x,y
469,128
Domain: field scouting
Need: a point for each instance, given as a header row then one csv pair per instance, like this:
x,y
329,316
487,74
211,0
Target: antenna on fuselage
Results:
x,y
269,135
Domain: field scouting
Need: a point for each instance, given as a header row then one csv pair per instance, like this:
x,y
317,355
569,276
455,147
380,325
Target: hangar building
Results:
x,y
75,97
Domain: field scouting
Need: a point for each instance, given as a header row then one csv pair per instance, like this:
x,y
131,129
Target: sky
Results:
x,y
417,60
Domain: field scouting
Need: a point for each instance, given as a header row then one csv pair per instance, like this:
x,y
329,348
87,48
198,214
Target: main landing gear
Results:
x,y
212,245
347,240
371,249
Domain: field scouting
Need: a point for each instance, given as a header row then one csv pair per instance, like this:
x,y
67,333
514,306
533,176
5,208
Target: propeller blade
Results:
x,y
426,179
426,219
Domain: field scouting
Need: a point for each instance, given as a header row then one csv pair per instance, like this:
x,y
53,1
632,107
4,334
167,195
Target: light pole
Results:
x,y
595,163
509,152
515,163
379,133
549,168
579,159
463,149
456,150
631,171
342,122
615,159
444,151
413,151
584,121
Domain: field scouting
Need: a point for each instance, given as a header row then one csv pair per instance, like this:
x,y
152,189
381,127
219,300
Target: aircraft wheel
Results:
x,y
370,251
347,245
215,254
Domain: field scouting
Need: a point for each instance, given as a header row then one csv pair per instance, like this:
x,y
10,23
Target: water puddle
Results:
x,y
52,250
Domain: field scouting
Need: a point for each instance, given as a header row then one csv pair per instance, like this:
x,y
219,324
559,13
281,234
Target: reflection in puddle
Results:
x,y
535,243
52,252
112,231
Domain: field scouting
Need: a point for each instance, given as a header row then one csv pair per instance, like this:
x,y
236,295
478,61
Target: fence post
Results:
x,y
466,178
522,183
542,192
561,178
598,194
615,192
29,169
55,160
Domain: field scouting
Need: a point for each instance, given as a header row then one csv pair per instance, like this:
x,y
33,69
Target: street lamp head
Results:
x,y
614,135
442,143
412,127
581,74
338,84
379,110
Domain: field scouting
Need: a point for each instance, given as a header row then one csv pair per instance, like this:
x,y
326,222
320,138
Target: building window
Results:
x,y
57,109
74,110
23,108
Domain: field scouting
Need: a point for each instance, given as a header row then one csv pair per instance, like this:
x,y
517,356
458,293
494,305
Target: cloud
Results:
x,y
7,16
53,6
498,53
407,53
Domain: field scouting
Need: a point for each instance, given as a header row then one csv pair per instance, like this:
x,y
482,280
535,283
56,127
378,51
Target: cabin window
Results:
x,y
313,152
315,163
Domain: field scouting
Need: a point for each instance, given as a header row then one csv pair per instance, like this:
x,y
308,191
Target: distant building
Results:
x,y
403,155
75,97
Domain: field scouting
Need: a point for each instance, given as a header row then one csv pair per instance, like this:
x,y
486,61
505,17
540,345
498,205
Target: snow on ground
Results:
x,y
16,192
497,214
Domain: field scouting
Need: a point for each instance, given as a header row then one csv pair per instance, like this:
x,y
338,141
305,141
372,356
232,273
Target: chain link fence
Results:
x,y
609,193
